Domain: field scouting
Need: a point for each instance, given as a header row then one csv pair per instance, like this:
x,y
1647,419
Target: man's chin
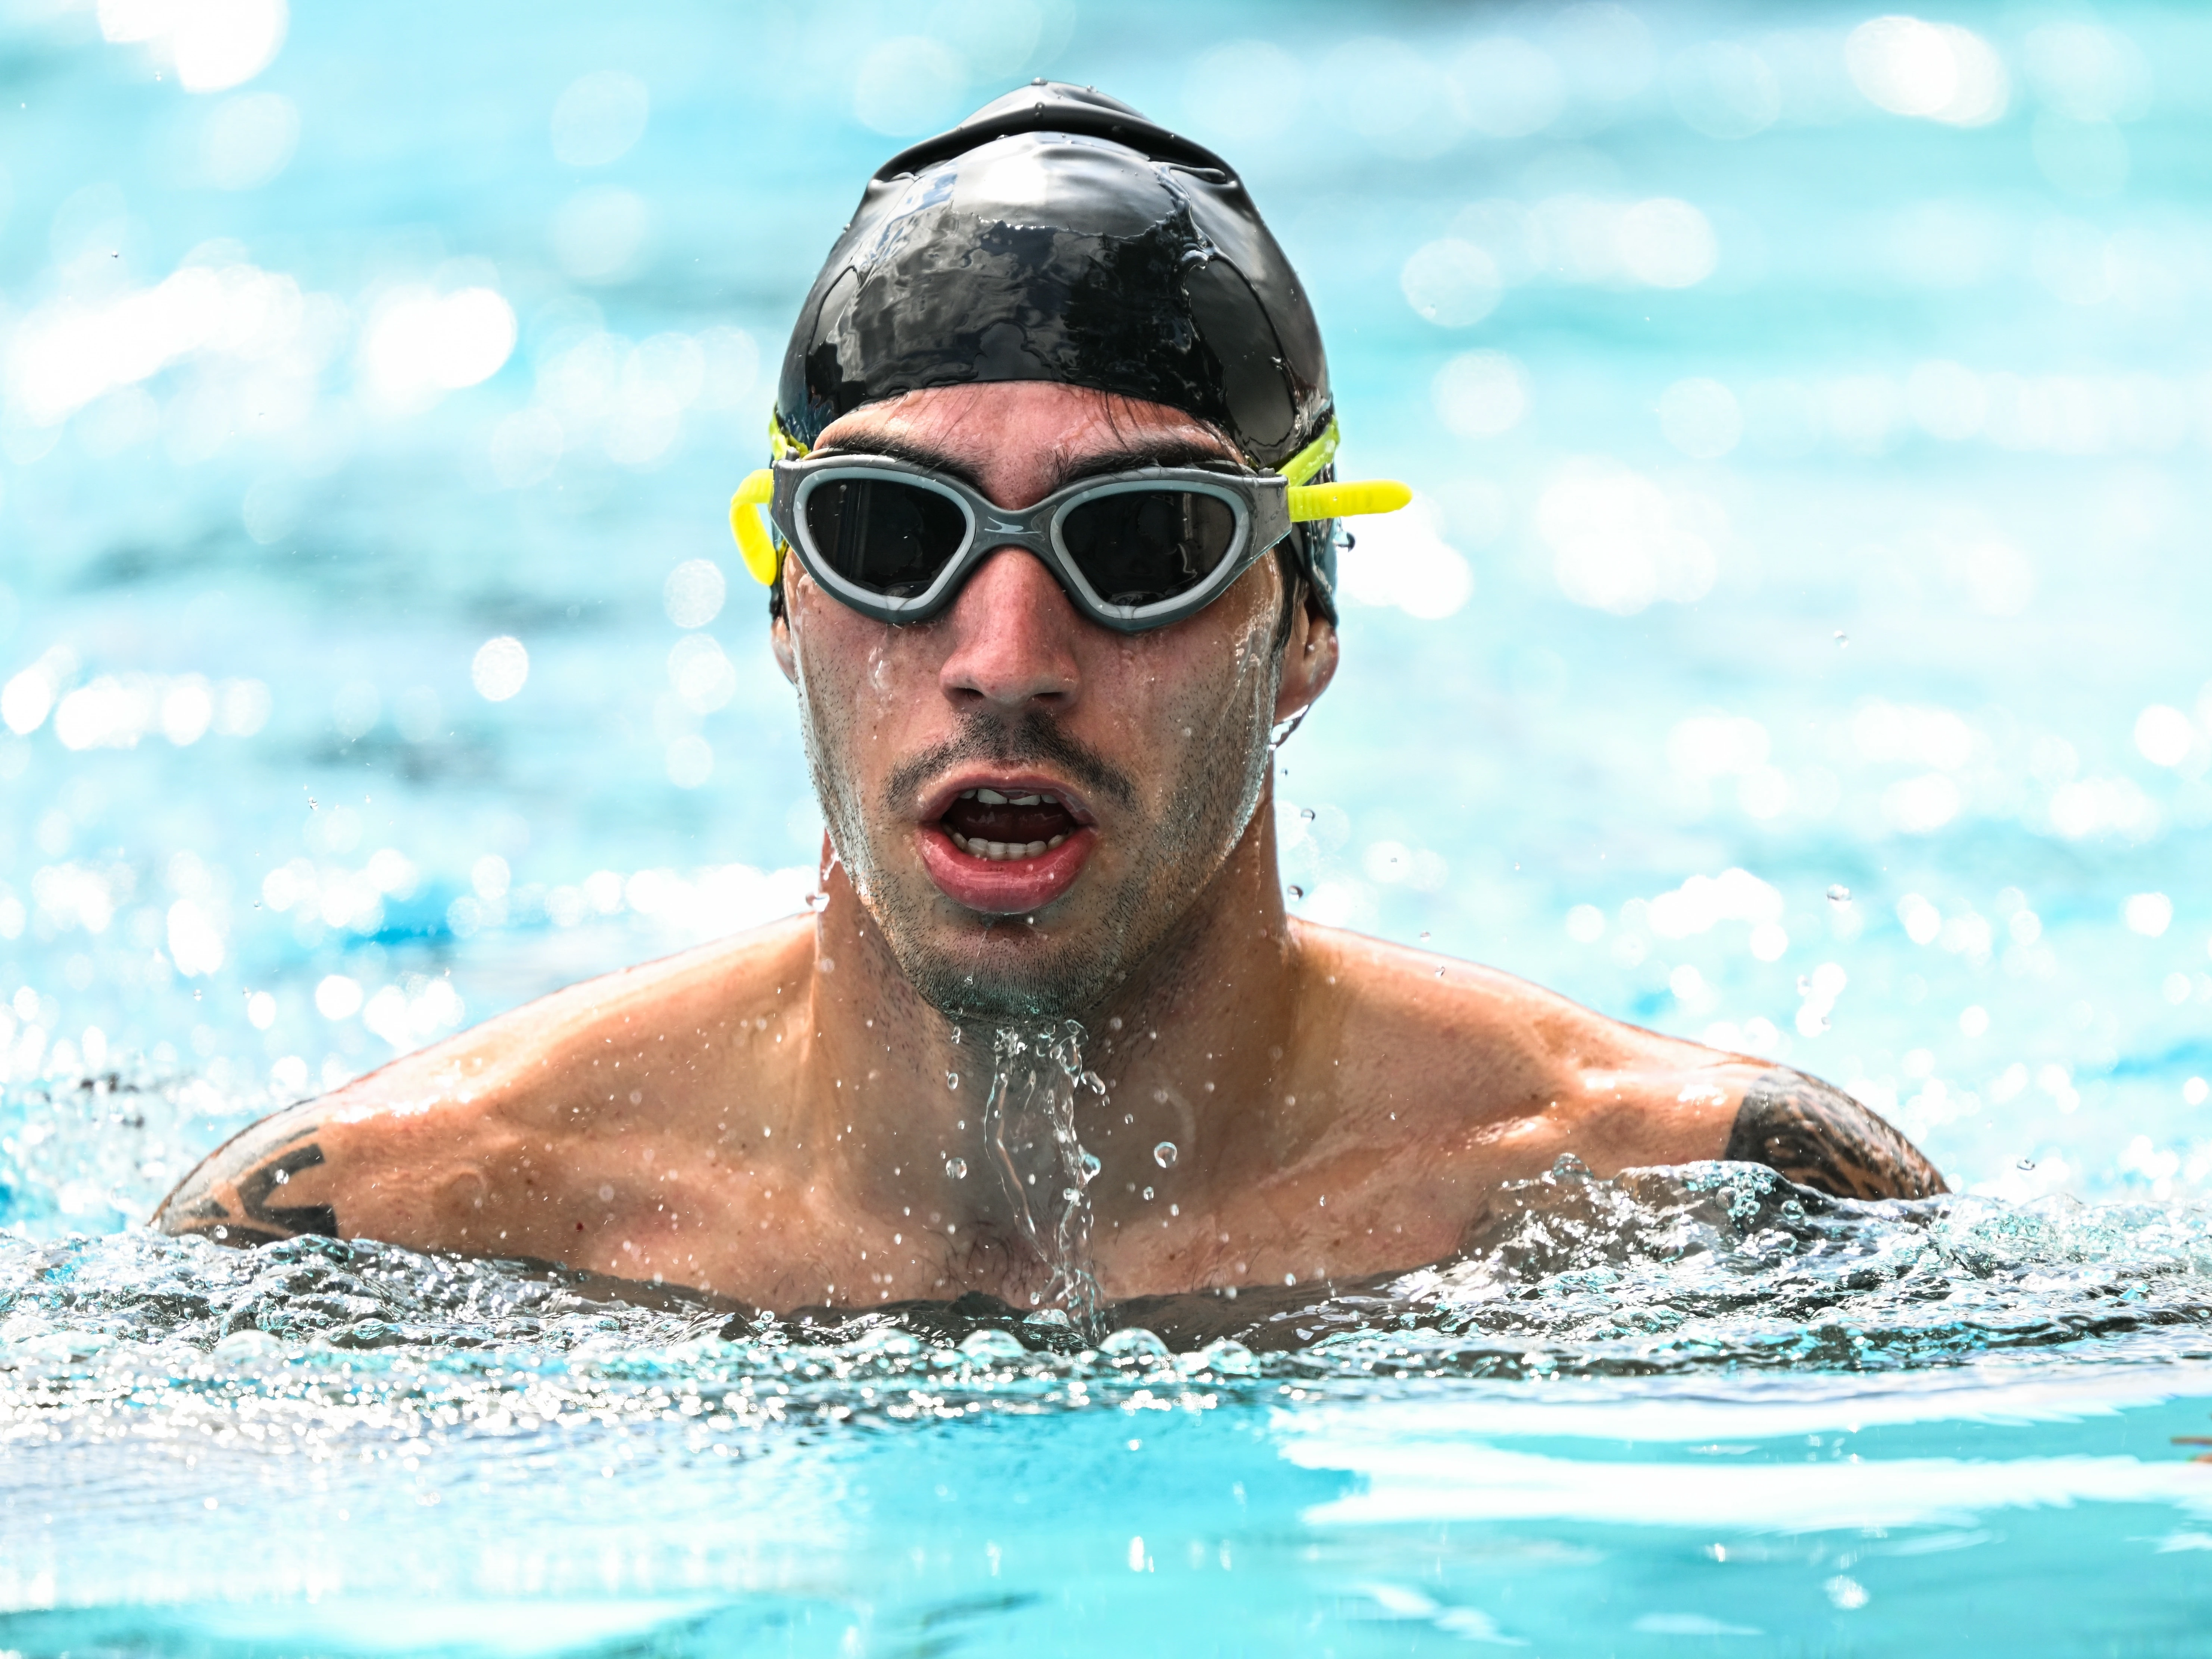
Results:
x,y
1009,973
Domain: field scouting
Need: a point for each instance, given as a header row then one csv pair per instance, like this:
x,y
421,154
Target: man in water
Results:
x,y
1054,568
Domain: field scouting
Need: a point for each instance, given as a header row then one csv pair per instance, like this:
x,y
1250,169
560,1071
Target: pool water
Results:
x,y
1677,1408
1796,644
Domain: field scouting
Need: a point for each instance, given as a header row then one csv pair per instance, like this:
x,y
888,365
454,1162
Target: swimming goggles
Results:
x,y
1133,550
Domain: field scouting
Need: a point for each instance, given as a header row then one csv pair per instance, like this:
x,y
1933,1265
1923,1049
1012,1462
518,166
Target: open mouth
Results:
x,y
992,825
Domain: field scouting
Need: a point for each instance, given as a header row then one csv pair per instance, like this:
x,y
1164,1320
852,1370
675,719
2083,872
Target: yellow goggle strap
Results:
x,y
1314,457
754,543
1343,500
1307,502
1346,500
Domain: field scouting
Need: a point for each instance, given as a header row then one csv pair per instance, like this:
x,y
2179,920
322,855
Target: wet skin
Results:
x,y
770,1117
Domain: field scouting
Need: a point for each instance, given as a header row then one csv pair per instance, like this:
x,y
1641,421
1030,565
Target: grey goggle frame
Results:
x,y
1258,501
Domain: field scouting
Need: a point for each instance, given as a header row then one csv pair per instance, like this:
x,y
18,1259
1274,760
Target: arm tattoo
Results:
x,y
1819,1136
257,1164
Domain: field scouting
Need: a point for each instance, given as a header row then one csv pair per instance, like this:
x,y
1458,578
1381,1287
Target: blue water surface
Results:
x,y
1798,643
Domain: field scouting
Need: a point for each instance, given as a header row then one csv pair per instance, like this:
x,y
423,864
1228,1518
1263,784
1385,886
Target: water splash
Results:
x,y
1028,1128
1710,1269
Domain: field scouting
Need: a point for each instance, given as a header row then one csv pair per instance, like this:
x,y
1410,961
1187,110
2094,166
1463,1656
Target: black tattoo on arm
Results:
x,y
1819,1136
229,1197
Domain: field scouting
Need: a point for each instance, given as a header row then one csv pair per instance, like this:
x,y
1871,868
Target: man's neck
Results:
x,y
893,1092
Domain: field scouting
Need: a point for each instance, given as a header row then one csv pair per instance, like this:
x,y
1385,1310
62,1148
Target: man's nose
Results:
x,y
1013,638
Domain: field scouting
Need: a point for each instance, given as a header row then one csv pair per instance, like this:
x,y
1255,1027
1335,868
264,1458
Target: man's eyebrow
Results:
x,y
892,448
1125,458
1130,458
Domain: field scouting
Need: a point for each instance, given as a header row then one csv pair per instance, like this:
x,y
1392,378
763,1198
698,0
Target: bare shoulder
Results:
x,y
397,1153
1461,1021
1525,1074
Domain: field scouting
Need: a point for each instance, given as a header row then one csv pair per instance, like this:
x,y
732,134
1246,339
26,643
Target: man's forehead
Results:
x,y
1042,418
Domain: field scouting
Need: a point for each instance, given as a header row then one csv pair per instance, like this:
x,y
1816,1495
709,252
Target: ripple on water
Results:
x,y
1708,1268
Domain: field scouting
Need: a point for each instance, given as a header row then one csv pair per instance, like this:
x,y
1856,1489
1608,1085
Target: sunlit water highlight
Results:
x,y
1797,643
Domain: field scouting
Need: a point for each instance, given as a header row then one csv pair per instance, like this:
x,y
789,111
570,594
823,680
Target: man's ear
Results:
x,y
1309,663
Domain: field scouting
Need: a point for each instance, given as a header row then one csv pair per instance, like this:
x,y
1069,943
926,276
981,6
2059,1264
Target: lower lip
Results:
x,y
1009,887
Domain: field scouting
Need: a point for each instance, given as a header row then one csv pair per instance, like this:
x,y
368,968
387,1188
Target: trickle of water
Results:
x,y
1839,894
1164,1154
957,1167
1029,1126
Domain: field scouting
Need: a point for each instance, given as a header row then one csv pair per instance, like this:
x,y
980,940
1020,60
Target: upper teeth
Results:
x,y
993,798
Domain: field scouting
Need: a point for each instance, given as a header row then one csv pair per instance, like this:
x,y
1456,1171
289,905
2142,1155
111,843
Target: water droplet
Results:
x,y
818,901
1148,1194
1305,813
2025,1163
957,1167
1164,1154
1297,892
953,1079
1089,1164
1440,973
1839,894
1069,1195
1425,937
1804,985
1841,638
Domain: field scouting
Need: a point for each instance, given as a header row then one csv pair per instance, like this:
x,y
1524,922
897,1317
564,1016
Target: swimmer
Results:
x,y
1053,570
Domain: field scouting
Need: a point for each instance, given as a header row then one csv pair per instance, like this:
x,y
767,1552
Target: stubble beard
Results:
x,y
992,969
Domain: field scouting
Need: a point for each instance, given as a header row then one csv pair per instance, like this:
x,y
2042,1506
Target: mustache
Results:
x,y
1035,740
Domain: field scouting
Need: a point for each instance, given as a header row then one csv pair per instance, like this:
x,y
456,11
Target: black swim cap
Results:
x,y
1057,234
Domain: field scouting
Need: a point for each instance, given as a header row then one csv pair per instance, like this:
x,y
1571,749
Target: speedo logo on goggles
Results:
x,y
1133,550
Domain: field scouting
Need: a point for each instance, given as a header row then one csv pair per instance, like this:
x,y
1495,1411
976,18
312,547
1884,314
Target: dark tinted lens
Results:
x,y
889,537
1140,546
